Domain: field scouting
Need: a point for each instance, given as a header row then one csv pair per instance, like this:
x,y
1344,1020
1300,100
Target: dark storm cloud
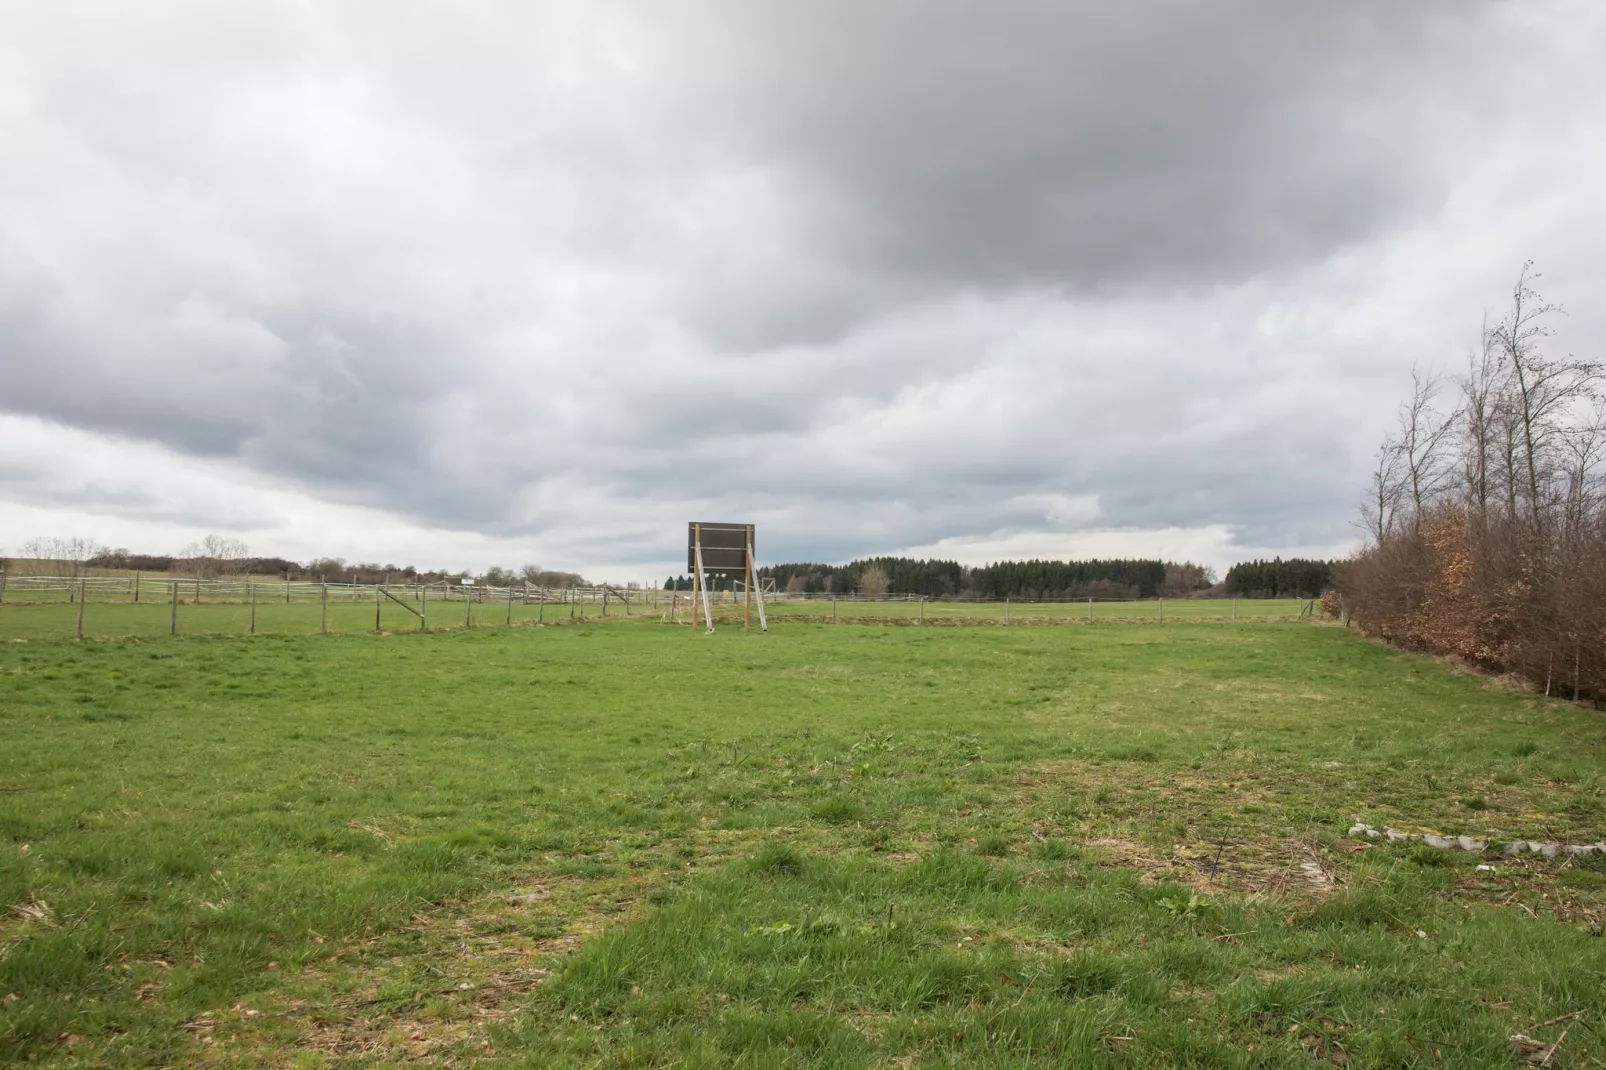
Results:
x,y
884,273
1092,146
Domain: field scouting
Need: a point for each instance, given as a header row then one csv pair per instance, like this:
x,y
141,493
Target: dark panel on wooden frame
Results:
x,y
724,547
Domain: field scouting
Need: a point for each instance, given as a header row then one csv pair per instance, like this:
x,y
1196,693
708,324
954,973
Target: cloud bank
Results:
x,y
542,282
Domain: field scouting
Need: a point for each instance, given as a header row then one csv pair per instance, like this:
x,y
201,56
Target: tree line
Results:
x,y
1486,512
1296,577
216,556
1110,579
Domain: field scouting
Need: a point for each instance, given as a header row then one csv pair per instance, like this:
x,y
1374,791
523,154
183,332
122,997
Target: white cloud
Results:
x,y
544,282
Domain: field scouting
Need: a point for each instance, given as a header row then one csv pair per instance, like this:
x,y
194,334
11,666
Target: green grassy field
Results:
x,y
1028,612
123,619
616,844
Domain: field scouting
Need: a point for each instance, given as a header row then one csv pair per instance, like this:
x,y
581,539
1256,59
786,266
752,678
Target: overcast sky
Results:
x,y
473,283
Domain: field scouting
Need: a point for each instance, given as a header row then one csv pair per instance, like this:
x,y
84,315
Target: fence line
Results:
x,y
138,587
232,605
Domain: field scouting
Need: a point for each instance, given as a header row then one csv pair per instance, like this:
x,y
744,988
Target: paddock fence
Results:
x,y
114,606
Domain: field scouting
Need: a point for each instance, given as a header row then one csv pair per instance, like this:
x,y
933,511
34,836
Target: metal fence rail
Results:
x,y
139,587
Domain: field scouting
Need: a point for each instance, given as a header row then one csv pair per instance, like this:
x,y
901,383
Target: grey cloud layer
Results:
x,y
876,271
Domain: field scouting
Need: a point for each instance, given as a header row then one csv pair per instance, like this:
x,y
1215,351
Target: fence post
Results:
x,y
922,609
197,591
468,609
136,586
1159,608
605,601
1234,607
379,598
833,608
81,620
510,603
172,621
252,588
423,607
323,623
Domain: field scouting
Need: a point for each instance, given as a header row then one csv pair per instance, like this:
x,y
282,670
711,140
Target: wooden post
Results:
x,y
1090,611
136,586
197,591
468,609
696,576
747,615
324,601
674,604
172,620
253,589
605,601
379,595
833,607
423,607
540,609
287,588
571,603
1234,607
701,580
510,603
81,620
922,619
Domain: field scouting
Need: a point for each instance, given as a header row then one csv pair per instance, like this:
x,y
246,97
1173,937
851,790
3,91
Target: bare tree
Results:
x,y
1183,578
214,556
1586,447
68,557
873,581
1481,387
1547,390
1424,432
1383,500
536,576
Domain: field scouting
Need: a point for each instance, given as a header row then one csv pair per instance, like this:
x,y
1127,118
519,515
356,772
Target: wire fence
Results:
x,y
144,605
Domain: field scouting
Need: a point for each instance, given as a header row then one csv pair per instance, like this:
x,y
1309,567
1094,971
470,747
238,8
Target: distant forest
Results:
x,y
1296,577
1116,578
215,556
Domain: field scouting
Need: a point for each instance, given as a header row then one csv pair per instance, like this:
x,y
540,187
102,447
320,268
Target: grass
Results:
x,y
55,617
1040,612
615,844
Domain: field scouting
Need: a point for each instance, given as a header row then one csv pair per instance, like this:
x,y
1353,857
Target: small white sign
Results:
x,y
466,582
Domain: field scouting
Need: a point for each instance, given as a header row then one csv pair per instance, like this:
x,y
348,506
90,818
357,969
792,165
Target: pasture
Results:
x,y
612,843
43,615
